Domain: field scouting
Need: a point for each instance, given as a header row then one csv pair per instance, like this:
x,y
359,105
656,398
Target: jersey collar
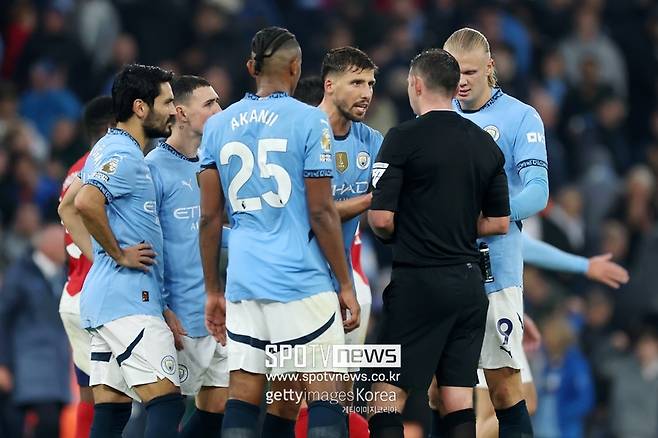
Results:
x,y
169,148
497,92
119,131
275,95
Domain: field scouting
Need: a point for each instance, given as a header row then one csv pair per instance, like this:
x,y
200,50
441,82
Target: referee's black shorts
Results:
x,y
438,316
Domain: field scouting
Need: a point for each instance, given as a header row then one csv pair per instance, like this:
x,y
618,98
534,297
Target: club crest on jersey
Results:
x,y
168,365
363,160
342,162
492,131
325,141
110,166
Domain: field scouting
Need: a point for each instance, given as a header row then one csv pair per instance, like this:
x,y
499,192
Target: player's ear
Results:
x,y
140,108
328,86
180,113
491,64
295,67
251,68
418,84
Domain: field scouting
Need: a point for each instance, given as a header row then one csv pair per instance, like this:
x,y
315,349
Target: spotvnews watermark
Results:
x,y
332,356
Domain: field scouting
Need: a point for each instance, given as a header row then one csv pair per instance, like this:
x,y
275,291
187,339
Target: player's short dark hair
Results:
x,y
346,58
438,68
310,90
267,41
137,81
97,115
184,86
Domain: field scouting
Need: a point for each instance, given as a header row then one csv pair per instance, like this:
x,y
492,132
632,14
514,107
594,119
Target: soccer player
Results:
x,y
269,156
97,118
348,78
132,348
174,166
519,132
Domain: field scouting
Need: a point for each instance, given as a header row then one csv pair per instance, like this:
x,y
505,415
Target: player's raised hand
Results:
x,y
139,256
216,316
176,328
602,269
349,303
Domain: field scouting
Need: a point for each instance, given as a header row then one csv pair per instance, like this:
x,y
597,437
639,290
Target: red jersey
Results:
x,y
79,265
356,256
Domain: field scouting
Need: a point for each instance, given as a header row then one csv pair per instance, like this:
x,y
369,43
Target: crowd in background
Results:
x,y
589,67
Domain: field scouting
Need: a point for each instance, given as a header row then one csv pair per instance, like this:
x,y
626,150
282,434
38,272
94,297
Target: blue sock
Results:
x,y
326,419
163,415
203,424
435,432
278,426
386,425
459,424
240,420
514,422
110,419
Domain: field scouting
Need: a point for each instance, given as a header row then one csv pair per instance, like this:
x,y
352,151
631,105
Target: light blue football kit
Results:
x,y
543,255
264,148
519,132
117,168
177,198
353,158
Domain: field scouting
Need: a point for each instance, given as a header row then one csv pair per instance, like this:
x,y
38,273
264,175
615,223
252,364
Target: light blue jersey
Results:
x,y
543,255
117,168
519,132
177,197
353,155
264,148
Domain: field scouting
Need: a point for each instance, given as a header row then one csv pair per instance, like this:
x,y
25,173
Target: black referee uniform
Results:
x,y
437,173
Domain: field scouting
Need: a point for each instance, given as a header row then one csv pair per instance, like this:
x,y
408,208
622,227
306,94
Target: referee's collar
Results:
x,y
495,95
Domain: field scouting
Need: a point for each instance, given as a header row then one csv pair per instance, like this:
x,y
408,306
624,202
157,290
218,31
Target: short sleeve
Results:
x,y
530,143
157,183
115,175
318,161
496,199
388,172
207,157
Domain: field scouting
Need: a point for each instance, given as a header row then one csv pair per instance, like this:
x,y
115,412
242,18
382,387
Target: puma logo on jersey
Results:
x,y
187,183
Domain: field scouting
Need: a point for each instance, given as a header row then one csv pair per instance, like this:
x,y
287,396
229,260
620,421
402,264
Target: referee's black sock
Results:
x,y
326,419
240,420
203,424
459,424
110,419
514,422
435,431
278,426
386,425
163,415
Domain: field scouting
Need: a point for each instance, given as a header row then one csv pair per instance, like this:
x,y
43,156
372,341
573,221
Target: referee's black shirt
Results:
x,y
437,173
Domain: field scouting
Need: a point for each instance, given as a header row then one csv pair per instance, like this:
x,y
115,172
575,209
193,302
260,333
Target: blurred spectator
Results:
x,y
17,240
22,22
588,40
553,76
564,384
98,25
542,296
17,134
34,352
634,392
31,185
48,100
124,52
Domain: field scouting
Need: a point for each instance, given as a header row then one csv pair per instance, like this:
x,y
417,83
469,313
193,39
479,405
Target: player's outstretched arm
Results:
x,y
325,223
90,202
351,208
210,236
599,268
73,221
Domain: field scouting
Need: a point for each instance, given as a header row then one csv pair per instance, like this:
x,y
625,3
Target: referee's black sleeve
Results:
x,y
388,172
496,199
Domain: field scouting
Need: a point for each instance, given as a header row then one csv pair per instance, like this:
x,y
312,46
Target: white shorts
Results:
x,y
526,373
314,322
131,351
503,334
79,338
364,297
202,362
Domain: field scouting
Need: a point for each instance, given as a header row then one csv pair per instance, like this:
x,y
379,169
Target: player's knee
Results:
x,y
454,399
505,394
284,408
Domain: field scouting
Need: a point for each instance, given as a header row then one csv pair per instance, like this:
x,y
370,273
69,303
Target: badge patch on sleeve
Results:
x,y
110,166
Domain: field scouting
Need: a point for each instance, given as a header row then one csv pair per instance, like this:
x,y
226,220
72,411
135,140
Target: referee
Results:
x,y
439,184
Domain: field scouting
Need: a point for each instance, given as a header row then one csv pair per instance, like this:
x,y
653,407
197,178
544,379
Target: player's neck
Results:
x,y
133,126
266,86
479,102
184,141
340,125
434,102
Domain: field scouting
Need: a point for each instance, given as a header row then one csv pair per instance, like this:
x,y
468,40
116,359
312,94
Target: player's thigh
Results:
x,y
212,399
503,337
143,347
203,362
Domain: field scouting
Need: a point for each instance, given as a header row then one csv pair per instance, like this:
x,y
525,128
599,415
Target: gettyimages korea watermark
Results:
x,y
333,356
